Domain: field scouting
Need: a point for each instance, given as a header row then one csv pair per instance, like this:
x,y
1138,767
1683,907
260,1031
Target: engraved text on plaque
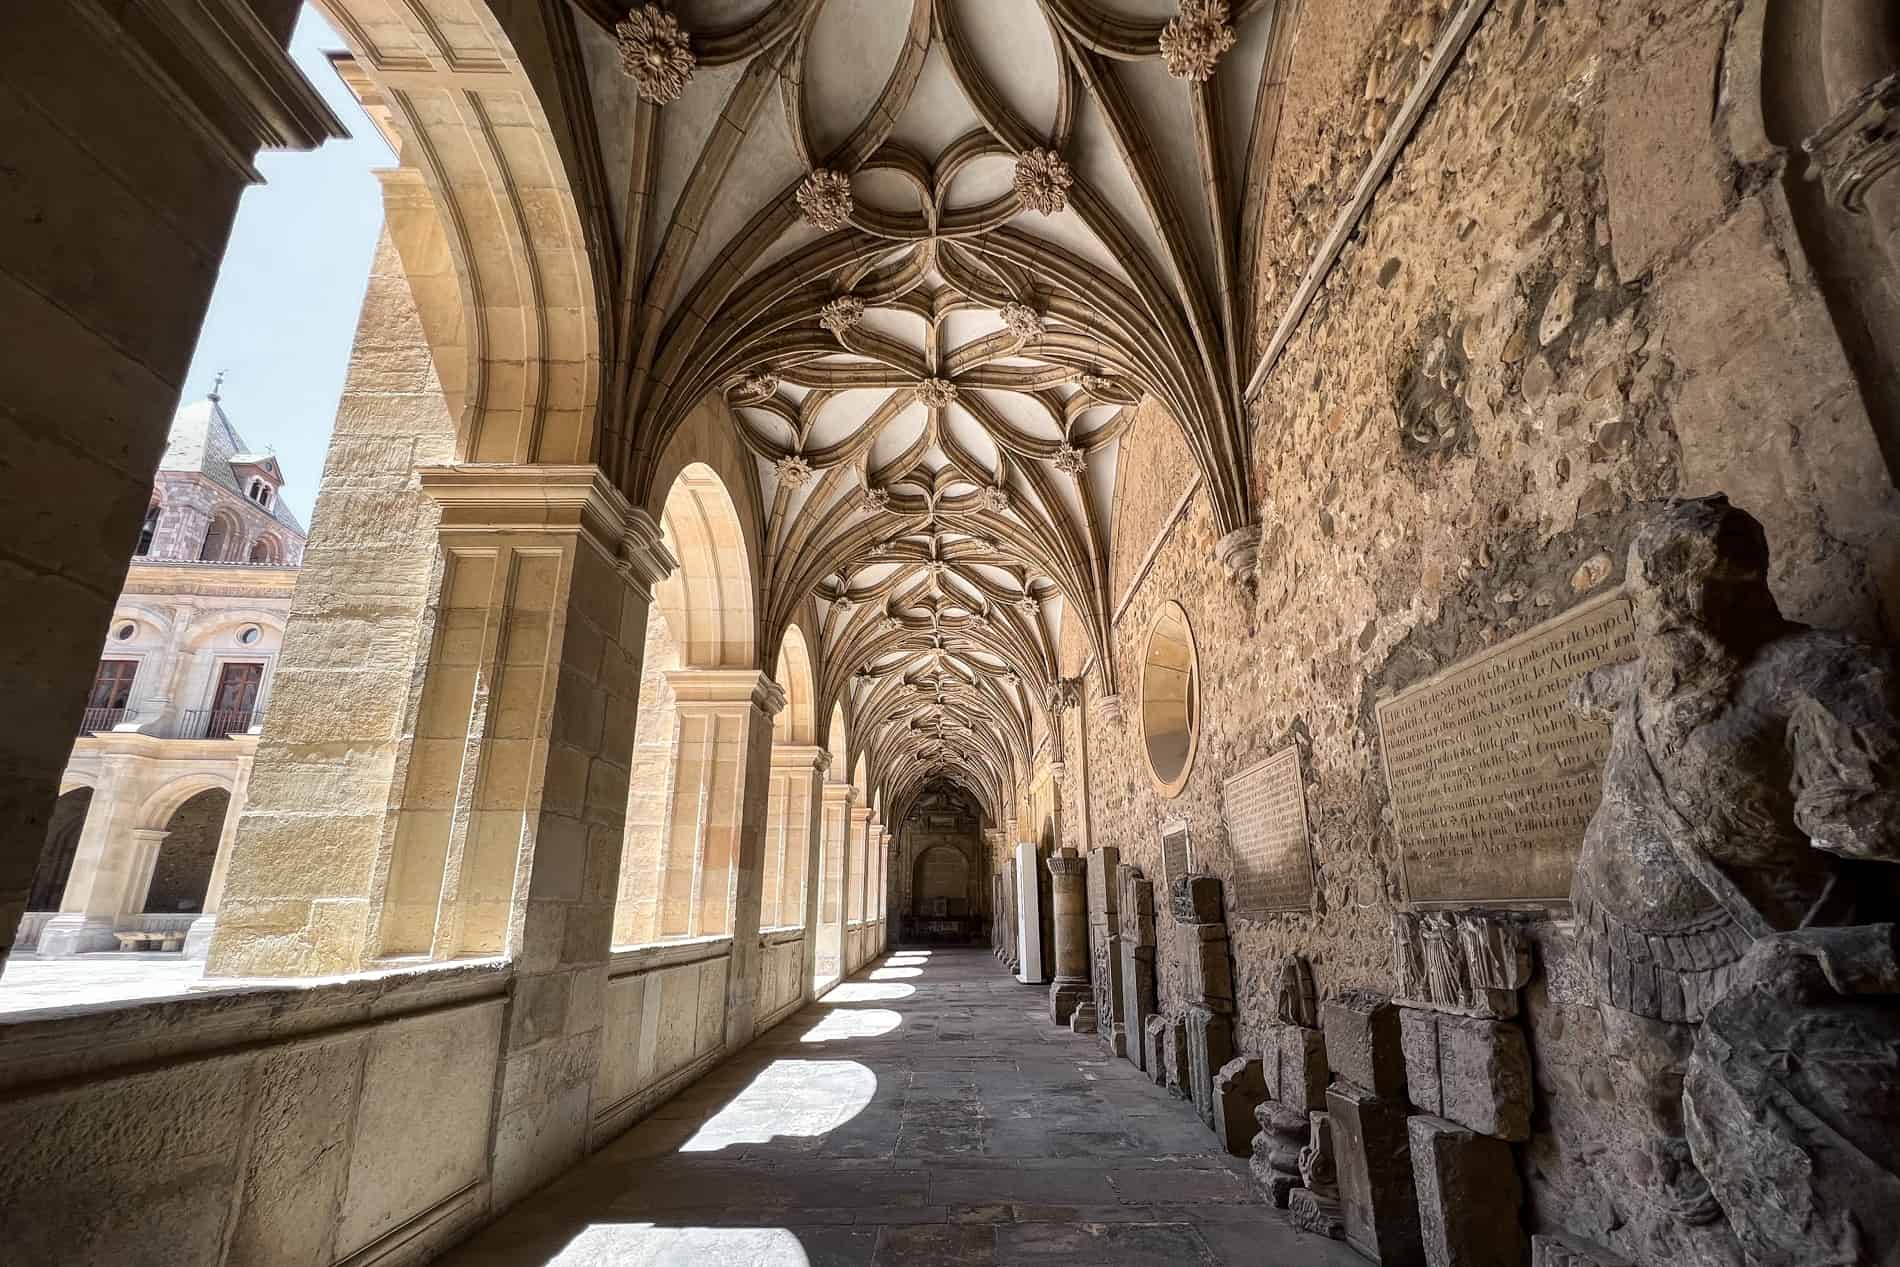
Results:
x,y
1265,809
1493,779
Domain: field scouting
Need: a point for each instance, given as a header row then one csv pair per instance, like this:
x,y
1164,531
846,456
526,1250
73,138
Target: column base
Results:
x,y
1082,1020
1065,995
198,937
67,935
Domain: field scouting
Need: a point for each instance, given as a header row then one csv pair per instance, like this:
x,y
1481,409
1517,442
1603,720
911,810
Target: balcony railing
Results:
x,y
217,723
102,719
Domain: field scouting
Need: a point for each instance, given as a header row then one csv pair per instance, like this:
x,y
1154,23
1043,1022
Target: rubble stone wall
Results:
x,y
1580,289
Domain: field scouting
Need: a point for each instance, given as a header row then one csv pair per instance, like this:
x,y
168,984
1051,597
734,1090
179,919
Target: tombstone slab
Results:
x,y
1484,1072
1174,1058
1468,1196
1195,899
1373,1153
1418,1040
1154,1048
1239,1088
1362,1041
1210,1044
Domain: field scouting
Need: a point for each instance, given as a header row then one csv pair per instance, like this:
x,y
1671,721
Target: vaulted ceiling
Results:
x,y
932,253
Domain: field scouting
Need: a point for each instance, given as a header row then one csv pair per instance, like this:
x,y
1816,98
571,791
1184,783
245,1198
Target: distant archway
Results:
x,y
62,845
181,874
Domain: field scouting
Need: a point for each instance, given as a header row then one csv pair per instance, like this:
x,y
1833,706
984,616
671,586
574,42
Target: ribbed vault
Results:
x,y
931,255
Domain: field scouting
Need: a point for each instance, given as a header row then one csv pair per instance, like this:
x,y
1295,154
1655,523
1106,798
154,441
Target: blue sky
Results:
x,y
284,310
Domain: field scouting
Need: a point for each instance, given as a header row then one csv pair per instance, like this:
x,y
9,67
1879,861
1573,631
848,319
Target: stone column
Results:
x,y
857,856
521,733
198,939
835,830
1068,875
727,714
126,156
803,768
105,864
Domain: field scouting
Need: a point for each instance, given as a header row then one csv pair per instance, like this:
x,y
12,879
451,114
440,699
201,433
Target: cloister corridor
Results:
x,y
924,1112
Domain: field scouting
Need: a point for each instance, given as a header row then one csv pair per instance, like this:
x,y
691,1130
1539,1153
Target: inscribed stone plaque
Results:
x,y
1493,779
1265,810
1176,859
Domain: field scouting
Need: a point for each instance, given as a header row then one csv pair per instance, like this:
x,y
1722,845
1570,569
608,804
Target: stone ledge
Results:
x,y
632,960
107,1038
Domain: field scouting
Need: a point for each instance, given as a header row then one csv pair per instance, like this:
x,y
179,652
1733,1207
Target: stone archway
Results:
x,y
681,836
181,870
56,855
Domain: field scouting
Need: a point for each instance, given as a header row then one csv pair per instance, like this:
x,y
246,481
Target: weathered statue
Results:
x,y
1730,877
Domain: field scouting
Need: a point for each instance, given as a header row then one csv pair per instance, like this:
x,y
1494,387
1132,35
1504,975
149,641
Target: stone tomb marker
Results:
x,y
1493,779
1105,949
1264,808
1137,948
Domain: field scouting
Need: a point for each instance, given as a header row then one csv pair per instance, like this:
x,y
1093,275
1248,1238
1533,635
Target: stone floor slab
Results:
x,y
841,1138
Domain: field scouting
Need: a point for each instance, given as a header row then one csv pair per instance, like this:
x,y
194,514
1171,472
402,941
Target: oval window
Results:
x,y
249,634
1170,699
125,632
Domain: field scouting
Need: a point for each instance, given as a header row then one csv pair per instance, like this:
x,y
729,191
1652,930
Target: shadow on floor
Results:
x,y
925,1112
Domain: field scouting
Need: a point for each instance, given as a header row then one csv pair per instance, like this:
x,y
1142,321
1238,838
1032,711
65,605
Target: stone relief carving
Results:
x,y
1460,962
1043,180
655,53
824,199
1753,774
995,498
1071,460
1195,38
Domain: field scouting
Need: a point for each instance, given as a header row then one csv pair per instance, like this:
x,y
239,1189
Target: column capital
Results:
x,y
1239,553
727,686
835,792
803,757
491,497
861,815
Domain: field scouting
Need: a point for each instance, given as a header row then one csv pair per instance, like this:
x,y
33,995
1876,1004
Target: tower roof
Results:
x,y
203,440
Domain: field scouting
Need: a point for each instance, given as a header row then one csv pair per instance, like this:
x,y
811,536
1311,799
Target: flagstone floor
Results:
x,y
923,1113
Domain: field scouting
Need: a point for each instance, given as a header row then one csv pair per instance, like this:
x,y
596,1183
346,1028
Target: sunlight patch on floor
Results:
x,y
886,974
852,1022
789,1097
868,992
640,1244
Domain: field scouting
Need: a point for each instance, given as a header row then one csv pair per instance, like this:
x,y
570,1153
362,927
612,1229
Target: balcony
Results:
x,y
217,723
102,719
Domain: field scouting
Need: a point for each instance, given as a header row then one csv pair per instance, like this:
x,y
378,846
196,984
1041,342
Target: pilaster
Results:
x,y
834,877
725,759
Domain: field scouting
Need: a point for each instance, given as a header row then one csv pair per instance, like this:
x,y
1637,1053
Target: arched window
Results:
x,y
215,537
147,532
259,492
264,550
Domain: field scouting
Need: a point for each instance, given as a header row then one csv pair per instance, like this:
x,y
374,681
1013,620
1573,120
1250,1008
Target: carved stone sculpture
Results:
x,y
824,199
1022,321
936,392
1043,180
1195,38
1753,774
1459,962
1859,145
655,53
842,315
1276,1149
1071,460
1314,1205
1296,1002
793,472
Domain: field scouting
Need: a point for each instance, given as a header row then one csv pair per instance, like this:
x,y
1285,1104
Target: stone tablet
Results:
x,y
1176,859
1493,779
1265,810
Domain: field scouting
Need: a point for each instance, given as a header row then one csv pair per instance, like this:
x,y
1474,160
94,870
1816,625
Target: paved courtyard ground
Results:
x,y
924,1114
